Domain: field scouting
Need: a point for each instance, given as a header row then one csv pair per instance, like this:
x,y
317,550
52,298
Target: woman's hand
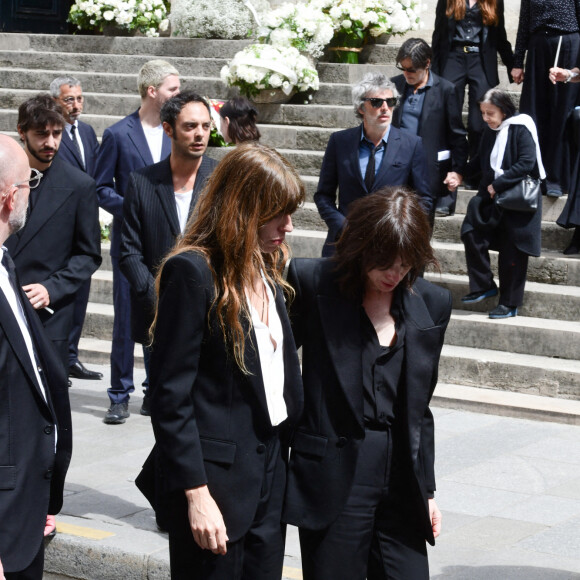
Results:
x,y
206,521
491,191
518,75
453,180
435,517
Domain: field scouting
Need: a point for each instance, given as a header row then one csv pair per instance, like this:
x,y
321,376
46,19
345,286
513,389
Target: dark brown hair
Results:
x,y
381,227
250,186
242,116
38,112
488,8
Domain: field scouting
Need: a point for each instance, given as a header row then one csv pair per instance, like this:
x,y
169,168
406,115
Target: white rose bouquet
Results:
x,y
262,66
303,26
146,16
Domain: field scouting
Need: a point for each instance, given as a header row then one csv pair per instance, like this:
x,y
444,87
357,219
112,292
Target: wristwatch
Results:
x,y
572,75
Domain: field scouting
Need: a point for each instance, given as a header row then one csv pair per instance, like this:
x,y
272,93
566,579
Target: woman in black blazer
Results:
x,y
467,37
361,478
225,378
508,152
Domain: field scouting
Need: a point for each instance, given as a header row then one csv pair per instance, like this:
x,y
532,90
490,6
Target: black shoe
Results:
x,y
69,383
443,212
502,311
571,249
474,297
117,414
78,371
145,406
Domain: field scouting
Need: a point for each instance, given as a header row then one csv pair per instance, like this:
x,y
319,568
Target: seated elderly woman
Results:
x,y
429,108
361,478
238,121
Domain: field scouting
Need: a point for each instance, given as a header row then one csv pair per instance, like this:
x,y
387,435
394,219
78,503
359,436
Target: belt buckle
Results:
x,y
466,49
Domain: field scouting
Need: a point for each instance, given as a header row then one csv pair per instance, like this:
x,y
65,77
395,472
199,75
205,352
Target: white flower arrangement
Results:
x,y
263,66
227,19
303,26
146,16
373,16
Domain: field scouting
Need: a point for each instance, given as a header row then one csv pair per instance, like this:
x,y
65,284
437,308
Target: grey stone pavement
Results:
x,y
509,490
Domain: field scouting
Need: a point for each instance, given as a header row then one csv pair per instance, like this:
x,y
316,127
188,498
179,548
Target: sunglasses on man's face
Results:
x,y
376,103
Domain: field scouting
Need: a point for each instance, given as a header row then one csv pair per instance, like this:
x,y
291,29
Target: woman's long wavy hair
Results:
x,y
456,10
250,186
379,228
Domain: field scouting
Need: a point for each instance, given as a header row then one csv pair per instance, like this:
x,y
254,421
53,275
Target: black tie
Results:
x,y
370,172
11,269
73,133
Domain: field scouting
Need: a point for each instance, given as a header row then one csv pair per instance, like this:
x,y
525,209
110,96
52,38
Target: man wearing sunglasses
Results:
x,y
79,147
363,159
35,420
59,248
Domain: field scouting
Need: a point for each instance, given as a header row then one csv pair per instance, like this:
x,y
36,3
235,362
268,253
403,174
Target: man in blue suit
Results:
x,y
363,159
78,147
132,143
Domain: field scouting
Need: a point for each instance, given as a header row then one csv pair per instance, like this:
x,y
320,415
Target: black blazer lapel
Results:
x,y
205,169
343,339
389,156
354,157
13,334
165,192
421,340
66,141
432,94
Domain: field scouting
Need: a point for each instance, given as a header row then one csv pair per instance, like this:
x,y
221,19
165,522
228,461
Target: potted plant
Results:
x,y
121,17
270,74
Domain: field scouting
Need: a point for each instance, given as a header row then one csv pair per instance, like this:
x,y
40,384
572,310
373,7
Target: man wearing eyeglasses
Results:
x,y
78,147
59,248
35,420
366,158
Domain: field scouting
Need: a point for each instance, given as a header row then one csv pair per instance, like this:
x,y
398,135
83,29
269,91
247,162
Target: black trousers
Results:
x,y
33,571
259,554
80,311
374,537
548,104
512,268
466,68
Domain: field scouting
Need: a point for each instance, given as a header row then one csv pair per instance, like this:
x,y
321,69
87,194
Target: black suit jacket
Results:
x,y
327,440
494,41
60,245
403,164
440,127
150,228
31,473
124,149
68,153
210,420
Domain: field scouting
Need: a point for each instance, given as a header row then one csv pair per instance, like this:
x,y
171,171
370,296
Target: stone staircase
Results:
x,y
529,361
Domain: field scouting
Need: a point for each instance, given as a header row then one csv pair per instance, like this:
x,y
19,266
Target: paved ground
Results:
x,y
509,490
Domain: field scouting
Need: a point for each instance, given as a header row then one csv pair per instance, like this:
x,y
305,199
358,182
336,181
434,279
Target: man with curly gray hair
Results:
x,y
365,158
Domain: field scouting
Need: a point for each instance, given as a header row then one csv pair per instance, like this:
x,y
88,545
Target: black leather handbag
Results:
x,y
524,196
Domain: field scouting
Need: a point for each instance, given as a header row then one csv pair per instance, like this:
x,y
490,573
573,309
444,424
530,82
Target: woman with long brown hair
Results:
x,y
225,379
467,37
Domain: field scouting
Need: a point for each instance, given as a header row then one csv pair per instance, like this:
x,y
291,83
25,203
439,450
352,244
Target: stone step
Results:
x,y
152,47
95,351
542,301
509,371
494,402
9,120
554,237
314,115
522,334
102,283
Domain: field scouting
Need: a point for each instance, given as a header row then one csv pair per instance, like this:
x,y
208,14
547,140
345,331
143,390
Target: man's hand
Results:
x,y
50,525
491,191
37,295
453,180
518,75
435,517
206,521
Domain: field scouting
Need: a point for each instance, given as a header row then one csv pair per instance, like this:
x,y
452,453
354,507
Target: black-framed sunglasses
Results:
x,y
32,181
376,102
405,69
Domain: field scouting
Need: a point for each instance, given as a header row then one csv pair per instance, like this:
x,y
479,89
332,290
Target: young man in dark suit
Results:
x,y
60,246
365,158
158,201
34,394
78,147
132,143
